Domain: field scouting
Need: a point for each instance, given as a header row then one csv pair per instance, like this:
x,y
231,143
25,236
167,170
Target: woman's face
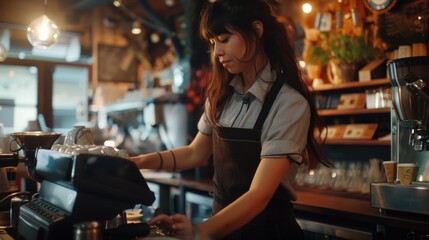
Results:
x,y
230,51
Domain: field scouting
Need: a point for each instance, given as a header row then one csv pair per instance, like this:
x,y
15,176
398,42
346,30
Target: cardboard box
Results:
x,y
373,70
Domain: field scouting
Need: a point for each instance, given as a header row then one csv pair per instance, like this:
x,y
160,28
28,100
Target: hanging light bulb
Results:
x,y
306,8
136,27
42,32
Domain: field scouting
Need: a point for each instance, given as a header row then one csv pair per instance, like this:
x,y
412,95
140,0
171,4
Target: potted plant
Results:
x,y
317,57
348,52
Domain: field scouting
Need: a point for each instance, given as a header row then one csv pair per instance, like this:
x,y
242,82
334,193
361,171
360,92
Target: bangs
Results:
x,y
214,21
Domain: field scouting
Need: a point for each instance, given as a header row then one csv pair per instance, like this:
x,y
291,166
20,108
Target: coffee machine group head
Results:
x,y
410,89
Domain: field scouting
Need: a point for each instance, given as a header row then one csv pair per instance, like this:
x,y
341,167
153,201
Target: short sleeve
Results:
x,y
204,125
285,130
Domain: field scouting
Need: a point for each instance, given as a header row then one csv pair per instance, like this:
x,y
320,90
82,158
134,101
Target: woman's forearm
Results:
x,y
194,155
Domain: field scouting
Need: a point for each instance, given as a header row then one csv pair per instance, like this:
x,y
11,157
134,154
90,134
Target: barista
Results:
x,y
258,123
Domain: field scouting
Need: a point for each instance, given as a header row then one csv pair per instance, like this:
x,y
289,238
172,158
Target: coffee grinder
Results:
x,y
28,142
410,137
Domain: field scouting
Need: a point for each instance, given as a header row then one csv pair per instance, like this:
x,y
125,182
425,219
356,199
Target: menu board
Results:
x,y
116,64
407,21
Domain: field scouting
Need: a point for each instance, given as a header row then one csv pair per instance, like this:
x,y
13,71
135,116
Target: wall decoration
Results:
x,y
406,23
379,6
116,64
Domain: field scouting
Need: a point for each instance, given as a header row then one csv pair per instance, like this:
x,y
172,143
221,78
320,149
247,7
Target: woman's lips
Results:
x,y
225,63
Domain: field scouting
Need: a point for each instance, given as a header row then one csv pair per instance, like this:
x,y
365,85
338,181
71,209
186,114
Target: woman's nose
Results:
x,y
218,50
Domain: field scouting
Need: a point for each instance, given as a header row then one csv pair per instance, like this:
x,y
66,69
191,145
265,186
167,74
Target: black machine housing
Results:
x,y
80,188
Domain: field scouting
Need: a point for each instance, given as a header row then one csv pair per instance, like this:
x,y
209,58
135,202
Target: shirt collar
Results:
x,y
259,87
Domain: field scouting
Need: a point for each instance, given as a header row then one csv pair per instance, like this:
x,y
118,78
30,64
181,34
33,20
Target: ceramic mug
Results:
x,y
108,150
79,135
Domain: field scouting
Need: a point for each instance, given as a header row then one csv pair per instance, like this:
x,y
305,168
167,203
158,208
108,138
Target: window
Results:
x,y
69,97
18,96
58,91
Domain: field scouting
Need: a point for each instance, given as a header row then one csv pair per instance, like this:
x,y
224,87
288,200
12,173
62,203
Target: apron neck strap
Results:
x,y
268,102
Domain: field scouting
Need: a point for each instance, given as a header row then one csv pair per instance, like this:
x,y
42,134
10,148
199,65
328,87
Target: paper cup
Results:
x,y
407,172
390,170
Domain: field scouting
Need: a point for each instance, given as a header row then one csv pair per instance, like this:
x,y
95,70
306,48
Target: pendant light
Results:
x,y
42,32
136,27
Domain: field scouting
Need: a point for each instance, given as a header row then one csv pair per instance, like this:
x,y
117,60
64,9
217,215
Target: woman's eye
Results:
x,y
223,39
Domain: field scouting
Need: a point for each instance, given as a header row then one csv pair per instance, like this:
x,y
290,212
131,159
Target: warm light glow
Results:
x,y
169,2
155,38
136,28
306,7
42,32
117,3
301,63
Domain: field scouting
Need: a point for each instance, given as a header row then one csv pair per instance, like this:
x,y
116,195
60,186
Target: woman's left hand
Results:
x,y
179,225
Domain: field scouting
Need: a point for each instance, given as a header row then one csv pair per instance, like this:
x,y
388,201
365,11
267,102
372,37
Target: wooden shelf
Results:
x,y
342,112
350,85
372,142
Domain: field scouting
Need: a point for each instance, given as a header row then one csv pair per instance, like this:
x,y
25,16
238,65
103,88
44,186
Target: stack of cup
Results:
x,y
390,170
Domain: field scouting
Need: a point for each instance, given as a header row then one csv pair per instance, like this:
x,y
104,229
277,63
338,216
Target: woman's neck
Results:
x,y
249,76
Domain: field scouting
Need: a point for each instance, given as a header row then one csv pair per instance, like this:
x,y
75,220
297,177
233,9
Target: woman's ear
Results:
x,y
259,27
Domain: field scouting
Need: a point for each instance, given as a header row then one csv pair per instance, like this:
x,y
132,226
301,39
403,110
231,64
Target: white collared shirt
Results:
x,y
284,132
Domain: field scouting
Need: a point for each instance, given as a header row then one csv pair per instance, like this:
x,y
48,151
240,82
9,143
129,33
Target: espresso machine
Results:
x,y
74,190
82,188
410,139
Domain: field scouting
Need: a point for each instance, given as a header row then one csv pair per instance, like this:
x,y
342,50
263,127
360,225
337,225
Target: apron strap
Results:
x,y
268,102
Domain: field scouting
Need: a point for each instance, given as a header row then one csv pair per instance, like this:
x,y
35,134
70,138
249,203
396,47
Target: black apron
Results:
x,y
236,153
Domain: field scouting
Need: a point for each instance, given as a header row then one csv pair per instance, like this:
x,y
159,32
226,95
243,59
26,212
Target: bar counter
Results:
x,y
318,205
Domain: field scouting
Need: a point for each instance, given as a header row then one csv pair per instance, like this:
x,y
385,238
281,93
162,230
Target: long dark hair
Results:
x,y
221,17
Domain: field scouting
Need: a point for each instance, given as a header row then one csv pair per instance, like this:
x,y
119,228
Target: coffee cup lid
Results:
x,y
387,162
407,164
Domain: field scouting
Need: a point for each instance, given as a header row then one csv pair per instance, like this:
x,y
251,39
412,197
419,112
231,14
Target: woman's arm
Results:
x,y
186,157
265,182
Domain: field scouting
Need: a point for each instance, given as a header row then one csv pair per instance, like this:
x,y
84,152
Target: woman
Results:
x,y
258,123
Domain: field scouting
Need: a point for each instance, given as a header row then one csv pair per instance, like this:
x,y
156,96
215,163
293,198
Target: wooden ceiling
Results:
x,y
75,16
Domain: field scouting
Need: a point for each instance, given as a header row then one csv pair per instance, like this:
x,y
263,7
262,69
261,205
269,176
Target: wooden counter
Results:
x,y
306,197
324,204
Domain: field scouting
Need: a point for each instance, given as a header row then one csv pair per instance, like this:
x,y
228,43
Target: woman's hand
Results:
x,y
177,225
